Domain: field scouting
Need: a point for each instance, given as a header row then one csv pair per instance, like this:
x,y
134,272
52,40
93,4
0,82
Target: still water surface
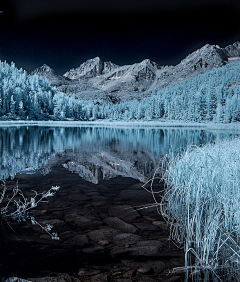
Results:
x,y
95,152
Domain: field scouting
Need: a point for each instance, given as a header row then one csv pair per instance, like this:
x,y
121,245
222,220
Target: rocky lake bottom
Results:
x,y
104,236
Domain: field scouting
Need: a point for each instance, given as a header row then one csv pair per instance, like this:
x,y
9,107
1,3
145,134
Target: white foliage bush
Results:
x,y
202,205
17,207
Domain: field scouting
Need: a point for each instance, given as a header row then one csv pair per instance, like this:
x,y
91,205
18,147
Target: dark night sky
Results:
x,y
65,33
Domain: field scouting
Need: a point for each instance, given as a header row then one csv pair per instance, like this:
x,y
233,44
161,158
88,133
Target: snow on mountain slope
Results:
x,y
97,79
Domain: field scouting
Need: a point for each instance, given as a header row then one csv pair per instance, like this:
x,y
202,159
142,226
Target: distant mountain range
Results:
x,y
95,79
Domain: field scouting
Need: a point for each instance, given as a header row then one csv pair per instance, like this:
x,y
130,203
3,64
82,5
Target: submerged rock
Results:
x,y
103,234
143,249
145,270
60,277
124,212
93,250
117,223
126,239
15,279
79,241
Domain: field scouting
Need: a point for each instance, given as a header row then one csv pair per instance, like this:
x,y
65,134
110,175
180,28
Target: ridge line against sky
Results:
x,y
64,35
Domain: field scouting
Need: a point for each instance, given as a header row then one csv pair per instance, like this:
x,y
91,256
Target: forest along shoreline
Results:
x,y
103,236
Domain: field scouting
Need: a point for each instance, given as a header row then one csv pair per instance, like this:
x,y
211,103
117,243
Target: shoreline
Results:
x,y
104,236
122,124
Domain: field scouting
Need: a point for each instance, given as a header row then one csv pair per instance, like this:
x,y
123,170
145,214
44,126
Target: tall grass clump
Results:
x,y
202,205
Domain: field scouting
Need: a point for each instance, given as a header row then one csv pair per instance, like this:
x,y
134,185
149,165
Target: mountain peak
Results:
x,y
135,80
206,58
96,59
91,68
43,69
148,62
53,77
233,50
45,66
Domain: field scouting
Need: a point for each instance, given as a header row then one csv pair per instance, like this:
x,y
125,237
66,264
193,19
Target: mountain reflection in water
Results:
x,y
93,152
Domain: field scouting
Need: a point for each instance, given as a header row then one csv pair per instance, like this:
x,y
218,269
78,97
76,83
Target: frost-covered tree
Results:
x,y
212,96
219,113
24,95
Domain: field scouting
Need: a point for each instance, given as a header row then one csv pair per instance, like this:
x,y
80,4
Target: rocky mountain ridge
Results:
x,y
91,68
55,78
97,79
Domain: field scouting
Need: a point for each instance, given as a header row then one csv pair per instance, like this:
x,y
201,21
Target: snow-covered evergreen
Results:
x,y
24,96
212,96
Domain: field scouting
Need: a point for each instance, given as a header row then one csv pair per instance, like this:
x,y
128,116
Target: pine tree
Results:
x,y
12,106
219,113
21,112
228,111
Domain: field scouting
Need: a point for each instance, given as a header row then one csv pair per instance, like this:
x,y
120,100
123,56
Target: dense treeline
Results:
x,y
25,96
212,96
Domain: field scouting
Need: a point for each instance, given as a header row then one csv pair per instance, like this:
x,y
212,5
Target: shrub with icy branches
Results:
x,y
18,207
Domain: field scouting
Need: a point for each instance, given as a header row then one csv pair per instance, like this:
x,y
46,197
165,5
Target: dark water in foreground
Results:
x,y
100,172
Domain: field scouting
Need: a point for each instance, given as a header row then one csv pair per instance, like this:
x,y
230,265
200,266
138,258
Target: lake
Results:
x,y
114,151
98,212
